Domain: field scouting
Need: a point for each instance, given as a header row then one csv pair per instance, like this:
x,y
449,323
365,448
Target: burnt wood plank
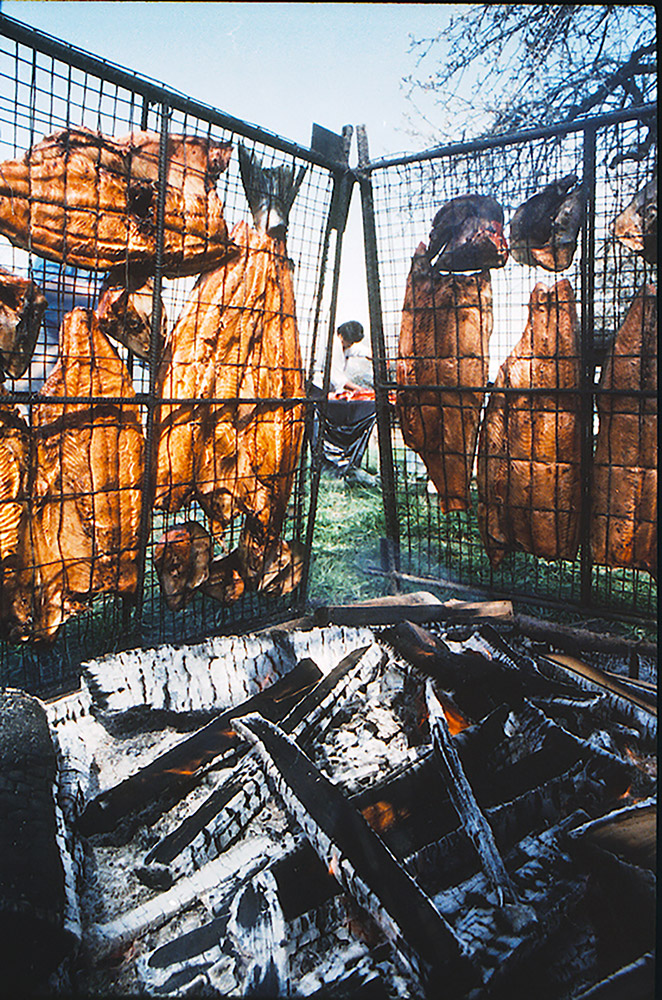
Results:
x,y
642,699
359,860
572,638
471,817
170,846
175,771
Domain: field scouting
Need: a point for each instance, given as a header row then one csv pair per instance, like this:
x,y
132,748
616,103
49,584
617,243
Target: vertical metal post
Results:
x,y
151,439
587,266
339,209
386,464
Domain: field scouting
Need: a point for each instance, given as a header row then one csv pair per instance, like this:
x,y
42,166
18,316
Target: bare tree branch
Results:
x,y
505,66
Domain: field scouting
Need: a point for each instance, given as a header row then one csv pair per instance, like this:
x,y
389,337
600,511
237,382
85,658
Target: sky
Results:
x,y
282,66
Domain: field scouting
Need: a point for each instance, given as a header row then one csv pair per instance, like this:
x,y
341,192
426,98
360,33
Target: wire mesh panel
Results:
x,y
162,274
516,374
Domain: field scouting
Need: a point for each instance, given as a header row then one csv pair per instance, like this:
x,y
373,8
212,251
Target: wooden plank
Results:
x,y
461,793
258,933
631,833
571,638
300,718
398,611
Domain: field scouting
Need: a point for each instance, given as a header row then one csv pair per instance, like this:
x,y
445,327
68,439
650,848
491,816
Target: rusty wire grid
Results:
x,y
82,541
420,328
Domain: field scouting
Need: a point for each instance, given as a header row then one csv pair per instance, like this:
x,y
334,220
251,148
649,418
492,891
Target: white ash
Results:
x,y
214,675
373,733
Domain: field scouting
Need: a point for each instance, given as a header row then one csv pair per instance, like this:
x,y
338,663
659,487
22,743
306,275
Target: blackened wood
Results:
x,y
571,638
258,933
175,771
359,860
33,938
392,613
174,842
635,981
190,945
482,674
471,817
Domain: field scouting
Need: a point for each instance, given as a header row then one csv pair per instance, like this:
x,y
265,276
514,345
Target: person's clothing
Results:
x,y
348,426
351,365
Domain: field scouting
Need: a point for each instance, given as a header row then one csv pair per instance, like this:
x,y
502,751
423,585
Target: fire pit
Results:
x,y
358,811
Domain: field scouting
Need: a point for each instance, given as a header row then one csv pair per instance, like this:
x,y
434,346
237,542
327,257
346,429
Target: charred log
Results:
x,y
172,773
359,860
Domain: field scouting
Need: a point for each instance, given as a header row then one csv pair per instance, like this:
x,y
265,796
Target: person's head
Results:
x,y
350,333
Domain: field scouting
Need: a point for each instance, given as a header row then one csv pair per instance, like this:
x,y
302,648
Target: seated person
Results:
x,y
349,423
354,370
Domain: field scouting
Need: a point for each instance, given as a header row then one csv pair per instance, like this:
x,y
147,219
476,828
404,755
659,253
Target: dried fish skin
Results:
x,y
14,472
624,482
86,495
22,308
182,559
444,341
236,342
124,313
529,450
90,201
545,228
636,226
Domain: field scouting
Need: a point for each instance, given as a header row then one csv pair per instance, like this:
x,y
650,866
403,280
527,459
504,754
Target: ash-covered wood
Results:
x,y
175,770
34,937
555,763
228,809
357,858
472,819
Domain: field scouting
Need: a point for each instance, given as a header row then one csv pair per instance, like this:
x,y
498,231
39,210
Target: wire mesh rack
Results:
x,y
476,410
155,481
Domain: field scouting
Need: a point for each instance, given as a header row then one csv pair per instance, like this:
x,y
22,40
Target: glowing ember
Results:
x,y
382,816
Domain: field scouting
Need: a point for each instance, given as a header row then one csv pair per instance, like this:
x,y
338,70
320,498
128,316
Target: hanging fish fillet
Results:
x,y
22,308
624,486
444,337
86,494
529,485
14,465
236,341
89,201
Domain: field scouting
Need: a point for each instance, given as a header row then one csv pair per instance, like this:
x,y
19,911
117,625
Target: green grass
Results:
x,y
350,524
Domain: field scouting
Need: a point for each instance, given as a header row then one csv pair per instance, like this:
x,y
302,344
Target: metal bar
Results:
x,y
512,138
151,438
386,466
143,398
153,91
342,196
587,272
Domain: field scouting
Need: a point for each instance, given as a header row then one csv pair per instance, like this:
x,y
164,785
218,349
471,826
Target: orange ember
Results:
x,y
334,865
382,815
456,721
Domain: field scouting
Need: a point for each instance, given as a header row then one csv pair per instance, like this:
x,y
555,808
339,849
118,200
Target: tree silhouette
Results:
x,y
497,68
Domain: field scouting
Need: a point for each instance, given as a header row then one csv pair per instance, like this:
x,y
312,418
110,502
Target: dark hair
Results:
x,y
351,331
